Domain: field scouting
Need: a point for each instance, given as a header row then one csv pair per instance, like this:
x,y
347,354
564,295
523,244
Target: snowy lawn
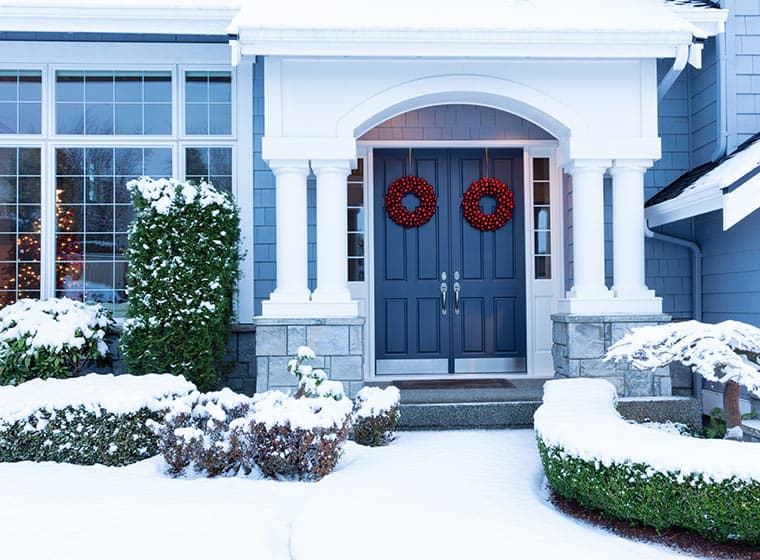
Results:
x,y
458,495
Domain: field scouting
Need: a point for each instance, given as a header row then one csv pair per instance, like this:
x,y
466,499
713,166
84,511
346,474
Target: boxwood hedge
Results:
x,y
727,511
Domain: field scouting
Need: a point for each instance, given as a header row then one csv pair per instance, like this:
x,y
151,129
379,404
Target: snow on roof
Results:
x,y
480,15
704,188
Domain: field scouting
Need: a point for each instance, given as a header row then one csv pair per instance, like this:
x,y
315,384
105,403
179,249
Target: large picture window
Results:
x,y
63,227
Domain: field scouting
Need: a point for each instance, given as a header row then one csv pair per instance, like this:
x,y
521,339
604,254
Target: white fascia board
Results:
x,y
458,44
741,202
684,206
709,22
115,18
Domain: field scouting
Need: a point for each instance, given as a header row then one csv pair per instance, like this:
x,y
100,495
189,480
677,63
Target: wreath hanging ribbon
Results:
x,y
505,204
422,190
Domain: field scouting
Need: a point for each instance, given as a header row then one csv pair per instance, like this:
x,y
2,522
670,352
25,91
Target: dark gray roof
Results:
x,y
700,3
690,177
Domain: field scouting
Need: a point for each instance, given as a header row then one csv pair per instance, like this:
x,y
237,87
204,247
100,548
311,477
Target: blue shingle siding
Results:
x,y
264,269
730,268
743,42
703,98
456,122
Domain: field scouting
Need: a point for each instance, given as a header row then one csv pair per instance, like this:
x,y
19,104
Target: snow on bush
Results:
x,y
50,338
590,454
195,432
376,412
183,254
312,382
91,419
298,438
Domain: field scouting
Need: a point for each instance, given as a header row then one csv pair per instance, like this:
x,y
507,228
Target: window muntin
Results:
x,y
95,102
93,212
20,224
20,102
208,103
542,219
214,164
355,185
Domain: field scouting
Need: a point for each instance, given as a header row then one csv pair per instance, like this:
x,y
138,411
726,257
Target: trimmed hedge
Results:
x,y
726,511
75,435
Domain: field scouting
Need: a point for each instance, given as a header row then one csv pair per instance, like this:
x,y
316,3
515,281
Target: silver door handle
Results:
x,y
444,288
457,288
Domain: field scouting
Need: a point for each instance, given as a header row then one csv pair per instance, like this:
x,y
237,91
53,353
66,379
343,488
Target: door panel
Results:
x,y
487,335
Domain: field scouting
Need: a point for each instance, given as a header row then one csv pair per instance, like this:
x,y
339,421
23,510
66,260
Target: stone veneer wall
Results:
x,y
580,343
337,342
240,359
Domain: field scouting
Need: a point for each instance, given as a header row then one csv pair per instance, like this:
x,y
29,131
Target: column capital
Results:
x,y
587,165
284,166
320,166
641,165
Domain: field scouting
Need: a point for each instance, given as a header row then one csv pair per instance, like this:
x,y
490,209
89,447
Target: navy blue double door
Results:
x,y
449,298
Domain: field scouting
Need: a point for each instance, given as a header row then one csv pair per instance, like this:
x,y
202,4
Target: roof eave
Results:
x,y
689,204
709,21
460,44
161,20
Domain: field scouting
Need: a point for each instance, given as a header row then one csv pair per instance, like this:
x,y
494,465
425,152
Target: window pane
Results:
x,y
355,245
540,169
543,268
541,217
20,107
136,103
208,103
20,224
212,164
356,270
91,233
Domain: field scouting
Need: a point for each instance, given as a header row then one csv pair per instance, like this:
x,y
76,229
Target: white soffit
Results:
x,y
191,17
488,28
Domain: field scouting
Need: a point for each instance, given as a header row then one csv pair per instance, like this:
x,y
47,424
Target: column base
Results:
x,y
612,305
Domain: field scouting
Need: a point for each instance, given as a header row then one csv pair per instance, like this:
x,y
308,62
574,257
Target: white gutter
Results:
x,y
722,118
682,58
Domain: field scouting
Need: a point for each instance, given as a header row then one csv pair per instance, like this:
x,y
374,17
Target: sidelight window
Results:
x,y
542,219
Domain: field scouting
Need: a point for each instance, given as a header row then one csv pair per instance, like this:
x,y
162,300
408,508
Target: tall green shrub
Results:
x,y
183,263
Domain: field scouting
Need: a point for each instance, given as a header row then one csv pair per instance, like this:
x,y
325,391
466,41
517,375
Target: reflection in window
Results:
x,y
20,102
93,212
356,224
96,102
208,103
20,224
212,164
541,219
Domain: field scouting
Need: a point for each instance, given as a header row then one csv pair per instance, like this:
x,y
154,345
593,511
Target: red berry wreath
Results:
x,y
505,203
419,188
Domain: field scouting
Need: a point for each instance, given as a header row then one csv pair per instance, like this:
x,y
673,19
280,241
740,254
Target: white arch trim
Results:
x,y
505,95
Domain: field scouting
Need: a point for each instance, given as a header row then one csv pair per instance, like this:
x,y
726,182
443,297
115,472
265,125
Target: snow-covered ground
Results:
x,y
443,495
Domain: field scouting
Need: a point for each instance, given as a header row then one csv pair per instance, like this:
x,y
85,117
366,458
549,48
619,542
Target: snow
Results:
x,y
164,194
278,409
707,348
579,415
731,170
119,394
373,401
53,323
442,495
480,15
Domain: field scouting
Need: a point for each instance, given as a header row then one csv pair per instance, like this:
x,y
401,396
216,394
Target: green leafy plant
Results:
x,y
717,427
52,338
183,254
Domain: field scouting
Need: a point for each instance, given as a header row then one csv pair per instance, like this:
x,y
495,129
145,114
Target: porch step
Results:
x,y
467,390
467,415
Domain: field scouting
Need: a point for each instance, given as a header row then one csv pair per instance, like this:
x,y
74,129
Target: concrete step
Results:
x,y
467,390
467,415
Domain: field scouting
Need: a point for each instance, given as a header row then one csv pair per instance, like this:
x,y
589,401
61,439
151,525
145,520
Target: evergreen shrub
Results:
x,y
183,254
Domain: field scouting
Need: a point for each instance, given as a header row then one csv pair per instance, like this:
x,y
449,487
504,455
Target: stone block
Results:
x,y
235,384
278,371
356,340
619,383
638,383
261,366
596,368
296,338
559,333
262,381
345,368
664,387
249,386
573,368
271,341
328,340
585,340
239,371
353,387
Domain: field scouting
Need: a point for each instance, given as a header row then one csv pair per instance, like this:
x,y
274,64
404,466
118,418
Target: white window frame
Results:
x,y
50,57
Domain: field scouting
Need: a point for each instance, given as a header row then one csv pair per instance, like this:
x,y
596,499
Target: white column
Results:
x,y
589,293
332,296
628,237
291,297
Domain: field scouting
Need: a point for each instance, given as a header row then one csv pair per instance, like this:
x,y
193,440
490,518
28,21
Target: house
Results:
x,y
560,118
